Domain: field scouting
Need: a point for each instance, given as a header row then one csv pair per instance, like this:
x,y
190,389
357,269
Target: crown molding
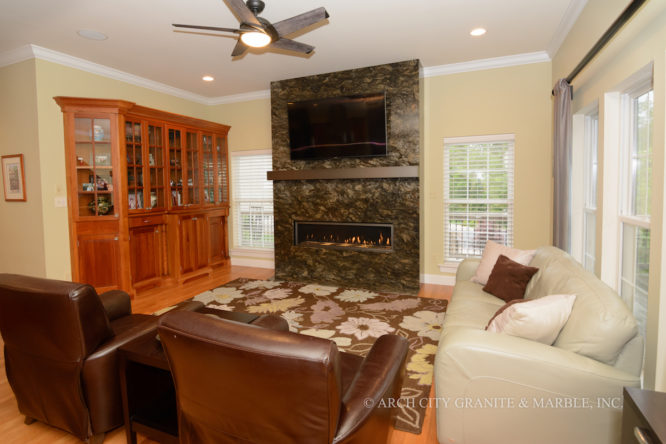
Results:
x,y
33,51
481,64
16,55
94,68
568,20
243,97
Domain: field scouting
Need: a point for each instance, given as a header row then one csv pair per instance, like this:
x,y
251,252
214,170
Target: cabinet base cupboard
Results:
x,y
148,194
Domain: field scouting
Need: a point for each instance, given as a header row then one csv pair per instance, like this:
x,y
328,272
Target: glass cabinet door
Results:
x,y
134,165
221,169
192,169
156,167
94,169
208,169
175,167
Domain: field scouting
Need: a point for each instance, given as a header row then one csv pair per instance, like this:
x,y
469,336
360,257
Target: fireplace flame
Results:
x,y
357,240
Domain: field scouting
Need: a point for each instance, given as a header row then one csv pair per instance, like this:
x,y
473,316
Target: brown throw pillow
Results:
x,y
509,279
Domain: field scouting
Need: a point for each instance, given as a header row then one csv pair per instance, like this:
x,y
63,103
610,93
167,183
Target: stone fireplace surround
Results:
x,y
374,190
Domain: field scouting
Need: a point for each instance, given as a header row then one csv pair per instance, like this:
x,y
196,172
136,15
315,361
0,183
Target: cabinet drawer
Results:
x,y
143,221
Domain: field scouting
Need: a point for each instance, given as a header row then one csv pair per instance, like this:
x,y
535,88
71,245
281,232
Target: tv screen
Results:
x,y
350,126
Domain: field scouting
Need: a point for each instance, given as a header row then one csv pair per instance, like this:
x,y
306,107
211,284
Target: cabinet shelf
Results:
x,y
90,193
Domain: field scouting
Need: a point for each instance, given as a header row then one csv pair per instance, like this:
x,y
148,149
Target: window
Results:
x,y
252,199
634,217
590,187
478,194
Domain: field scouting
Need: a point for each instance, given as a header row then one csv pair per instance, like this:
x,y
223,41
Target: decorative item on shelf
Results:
x,y
131,200
88,187
102,184
98,133
102,160
153,199
103,205
79,161
151,160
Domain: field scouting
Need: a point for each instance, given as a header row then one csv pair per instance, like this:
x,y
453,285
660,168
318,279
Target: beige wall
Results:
x,y
641,41
498,101
21,223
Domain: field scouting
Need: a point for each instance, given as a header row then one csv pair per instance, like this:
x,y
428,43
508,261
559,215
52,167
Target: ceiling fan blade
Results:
x,y
239,49
300,21
291,45
208,28
242,12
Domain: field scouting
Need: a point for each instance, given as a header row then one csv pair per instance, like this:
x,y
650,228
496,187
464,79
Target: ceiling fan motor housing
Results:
x,y
256,6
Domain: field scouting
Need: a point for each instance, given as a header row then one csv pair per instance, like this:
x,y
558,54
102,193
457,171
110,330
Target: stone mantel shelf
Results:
x,y
393,172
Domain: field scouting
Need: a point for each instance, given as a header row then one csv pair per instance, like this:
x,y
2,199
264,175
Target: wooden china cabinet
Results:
x,y
147,194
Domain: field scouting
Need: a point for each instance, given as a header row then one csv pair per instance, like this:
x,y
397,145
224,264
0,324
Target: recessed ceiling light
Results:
x,y
208,78
477,32
92,35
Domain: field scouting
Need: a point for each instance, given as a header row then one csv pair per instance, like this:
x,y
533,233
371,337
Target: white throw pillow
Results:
x,y
491,253
539,319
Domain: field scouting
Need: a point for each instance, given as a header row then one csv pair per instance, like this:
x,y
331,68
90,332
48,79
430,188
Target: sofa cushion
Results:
x,y
470,306
600,323
509,279
491,253
537,319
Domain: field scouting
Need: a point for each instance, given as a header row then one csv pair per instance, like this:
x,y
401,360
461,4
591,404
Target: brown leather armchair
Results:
x,y
242,384
60,342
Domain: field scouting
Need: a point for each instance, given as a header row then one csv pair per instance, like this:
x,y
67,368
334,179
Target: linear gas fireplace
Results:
x,y
371,237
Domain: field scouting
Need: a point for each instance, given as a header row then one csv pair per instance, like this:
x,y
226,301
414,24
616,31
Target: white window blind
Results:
x,y
478,194
252,200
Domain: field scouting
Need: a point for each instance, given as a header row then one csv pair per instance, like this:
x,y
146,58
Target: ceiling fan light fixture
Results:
x,y
255,39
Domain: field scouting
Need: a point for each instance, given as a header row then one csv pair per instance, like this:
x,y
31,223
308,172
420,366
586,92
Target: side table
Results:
x,y
148,393
643,418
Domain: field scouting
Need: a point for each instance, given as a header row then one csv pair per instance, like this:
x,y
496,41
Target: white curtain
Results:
x,y
562,165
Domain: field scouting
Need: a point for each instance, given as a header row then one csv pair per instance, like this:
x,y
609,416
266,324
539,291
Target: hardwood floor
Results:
x,y
13,431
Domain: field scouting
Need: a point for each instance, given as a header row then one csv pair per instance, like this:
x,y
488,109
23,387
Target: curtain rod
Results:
x,y
606,37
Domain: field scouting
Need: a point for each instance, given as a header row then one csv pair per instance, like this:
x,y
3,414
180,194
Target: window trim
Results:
x,y
450,265
235,247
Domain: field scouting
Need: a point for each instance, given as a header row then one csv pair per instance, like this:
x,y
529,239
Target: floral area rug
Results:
x,y
354,319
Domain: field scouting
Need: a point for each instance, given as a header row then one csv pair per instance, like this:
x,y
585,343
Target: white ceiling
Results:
x,y
358,33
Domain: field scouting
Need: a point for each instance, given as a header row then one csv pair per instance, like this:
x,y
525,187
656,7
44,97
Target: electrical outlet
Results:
x,y
60,201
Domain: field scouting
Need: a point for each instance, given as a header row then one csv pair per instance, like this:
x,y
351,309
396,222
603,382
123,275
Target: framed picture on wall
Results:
x,y
13,177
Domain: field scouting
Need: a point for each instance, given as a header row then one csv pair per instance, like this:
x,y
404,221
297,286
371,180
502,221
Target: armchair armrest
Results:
x,y
380,375
117,304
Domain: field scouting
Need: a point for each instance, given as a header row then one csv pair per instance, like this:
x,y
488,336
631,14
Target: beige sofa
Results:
x,y
492,388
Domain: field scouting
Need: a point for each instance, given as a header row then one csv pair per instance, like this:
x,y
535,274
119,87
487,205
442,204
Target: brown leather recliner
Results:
x,y
60,341
237,383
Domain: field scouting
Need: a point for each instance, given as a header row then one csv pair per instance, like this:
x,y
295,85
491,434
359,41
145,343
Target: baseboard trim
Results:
x,y
249,262
438,279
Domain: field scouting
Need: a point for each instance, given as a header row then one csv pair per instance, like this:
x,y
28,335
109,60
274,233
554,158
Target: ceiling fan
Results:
x,y
258,32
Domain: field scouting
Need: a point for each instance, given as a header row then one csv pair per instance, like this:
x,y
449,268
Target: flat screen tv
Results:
x,y
349,126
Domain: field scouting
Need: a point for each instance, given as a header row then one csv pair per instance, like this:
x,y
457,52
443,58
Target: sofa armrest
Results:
x,y
535,382
467,268
379,376
117,304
